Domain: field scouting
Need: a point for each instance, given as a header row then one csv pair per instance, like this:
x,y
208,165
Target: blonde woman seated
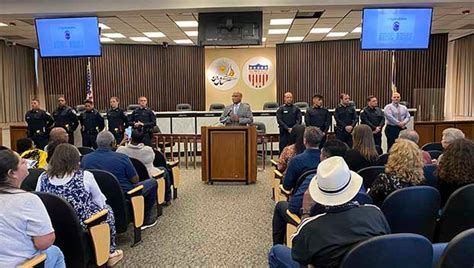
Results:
x,y
79,188
295,146
404,168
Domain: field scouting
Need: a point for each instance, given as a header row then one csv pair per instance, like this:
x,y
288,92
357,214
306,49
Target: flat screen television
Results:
x,y
68,37
396,28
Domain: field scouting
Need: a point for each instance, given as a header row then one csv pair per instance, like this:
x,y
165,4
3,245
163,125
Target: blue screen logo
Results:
x,y
67,35
396,26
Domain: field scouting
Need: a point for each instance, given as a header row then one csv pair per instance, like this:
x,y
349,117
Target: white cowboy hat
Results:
x,y
334,184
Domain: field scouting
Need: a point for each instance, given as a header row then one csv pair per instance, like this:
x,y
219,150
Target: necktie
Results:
x,y
399,117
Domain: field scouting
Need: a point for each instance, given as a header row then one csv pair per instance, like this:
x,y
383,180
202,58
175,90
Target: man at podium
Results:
x,y
238,113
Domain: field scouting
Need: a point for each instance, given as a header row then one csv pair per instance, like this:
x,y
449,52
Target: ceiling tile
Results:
x,y
335,13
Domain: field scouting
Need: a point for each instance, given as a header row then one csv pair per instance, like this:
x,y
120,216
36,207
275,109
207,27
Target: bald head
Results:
x,y
288,98
396,97
58,134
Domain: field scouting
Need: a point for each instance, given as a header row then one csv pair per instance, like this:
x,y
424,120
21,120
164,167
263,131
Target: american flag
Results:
x,y
89,93
394,74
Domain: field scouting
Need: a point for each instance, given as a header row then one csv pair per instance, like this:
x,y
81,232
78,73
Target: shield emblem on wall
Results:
x,y
258,72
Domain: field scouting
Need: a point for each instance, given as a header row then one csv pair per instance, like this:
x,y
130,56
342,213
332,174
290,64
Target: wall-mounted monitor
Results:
x,y
396,28
68,37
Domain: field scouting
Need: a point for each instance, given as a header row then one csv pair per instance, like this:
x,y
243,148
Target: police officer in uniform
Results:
x,y
318,116
374,117
91,124
288,115
39,122
117,120
346,119
143,119
66,117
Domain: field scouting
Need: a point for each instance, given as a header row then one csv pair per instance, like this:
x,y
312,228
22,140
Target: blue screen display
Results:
x,y
68,37
396,28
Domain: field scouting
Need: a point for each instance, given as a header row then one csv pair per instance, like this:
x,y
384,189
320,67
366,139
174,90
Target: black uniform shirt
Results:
x,y
39,121
117,119
317,116
345,116
92,121
65,117
144,115
373,117
288,116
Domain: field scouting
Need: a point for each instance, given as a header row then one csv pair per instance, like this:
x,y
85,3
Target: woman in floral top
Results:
x,y
404,168
295,146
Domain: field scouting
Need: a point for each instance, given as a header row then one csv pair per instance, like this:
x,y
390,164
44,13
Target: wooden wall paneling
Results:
x,y
426,133
467,128
16,133
166,76
333,67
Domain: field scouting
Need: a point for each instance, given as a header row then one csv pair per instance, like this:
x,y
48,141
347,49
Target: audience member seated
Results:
x,y
363,153
309,159
121,166
413,136
36,157
145,154
323,240
57,135
295,146
64,178
331,148
456,168
403,169
25,227
450,135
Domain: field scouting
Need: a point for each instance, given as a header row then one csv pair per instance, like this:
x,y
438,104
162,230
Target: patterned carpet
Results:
x,y
208,225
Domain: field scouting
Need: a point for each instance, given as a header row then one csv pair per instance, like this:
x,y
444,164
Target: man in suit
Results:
x,y
238,113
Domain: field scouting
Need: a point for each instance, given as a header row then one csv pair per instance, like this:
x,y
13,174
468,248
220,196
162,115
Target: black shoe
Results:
x,y
149,224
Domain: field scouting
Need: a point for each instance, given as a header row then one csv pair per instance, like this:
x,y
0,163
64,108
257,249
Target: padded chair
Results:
x,y
261,128
379,149
299,181
37,262
390,251
128,208
435,154
412,210
270,106
458,253
29,183
160,180
160,161
458,214
302,105
382,159
405,103
432,146
216,107
133,107
183,107
85,150
369,174
276,177
429,173
81,248
363,199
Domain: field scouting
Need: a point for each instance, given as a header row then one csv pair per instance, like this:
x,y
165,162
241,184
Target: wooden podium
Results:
x,y
229,154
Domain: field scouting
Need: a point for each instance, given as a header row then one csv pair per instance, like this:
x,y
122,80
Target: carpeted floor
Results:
x,y
208,225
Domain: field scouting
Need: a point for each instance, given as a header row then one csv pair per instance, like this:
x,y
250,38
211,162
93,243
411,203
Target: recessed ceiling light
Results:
x,y
357,30
114,35
154,34
183,41
103,26
264,39
141,39
320,30
281,21
106,39
337,34
277,31
187,23
294,38
3,24
191,33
